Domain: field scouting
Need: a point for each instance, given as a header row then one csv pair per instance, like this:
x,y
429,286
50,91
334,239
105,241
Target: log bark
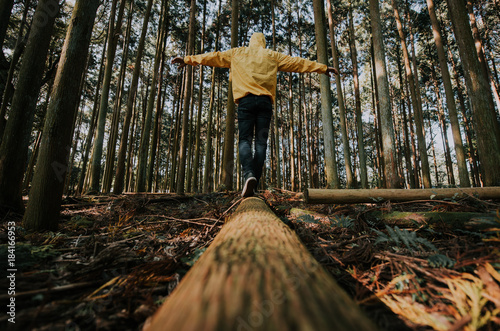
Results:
x,y
257,275
397,195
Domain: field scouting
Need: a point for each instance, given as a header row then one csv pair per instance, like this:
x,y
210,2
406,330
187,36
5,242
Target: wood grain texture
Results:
x,y
257,275
397,195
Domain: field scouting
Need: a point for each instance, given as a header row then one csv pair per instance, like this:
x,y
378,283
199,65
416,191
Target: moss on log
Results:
x,y
257,275
455,220
397,195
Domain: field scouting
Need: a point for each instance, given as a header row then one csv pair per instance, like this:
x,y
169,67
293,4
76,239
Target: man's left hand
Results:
x,y
180,61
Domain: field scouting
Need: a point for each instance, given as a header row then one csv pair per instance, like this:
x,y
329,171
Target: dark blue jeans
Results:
x,y
254,118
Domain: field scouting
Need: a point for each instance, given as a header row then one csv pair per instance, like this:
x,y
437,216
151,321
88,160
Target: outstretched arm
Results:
x,y
213,59
297,64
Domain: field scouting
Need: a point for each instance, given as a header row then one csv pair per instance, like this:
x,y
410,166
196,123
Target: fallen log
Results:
x,y
257,275
453,220
338,196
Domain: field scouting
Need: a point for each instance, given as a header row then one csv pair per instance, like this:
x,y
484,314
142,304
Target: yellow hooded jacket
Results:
x,y
254,68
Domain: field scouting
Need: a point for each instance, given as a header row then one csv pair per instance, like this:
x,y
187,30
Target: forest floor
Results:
x,y
422,265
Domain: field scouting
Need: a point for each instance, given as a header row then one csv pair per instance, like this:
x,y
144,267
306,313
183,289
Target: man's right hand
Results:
x,y
331,70
180,61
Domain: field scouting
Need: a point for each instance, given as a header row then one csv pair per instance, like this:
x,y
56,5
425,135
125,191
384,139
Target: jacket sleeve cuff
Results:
x,y
323,69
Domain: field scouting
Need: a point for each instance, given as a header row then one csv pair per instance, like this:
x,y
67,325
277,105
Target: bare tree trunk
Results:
x,y
357,95
433,150
390,169
113,137
331,172
187,102
120,165
76,135
129,173
142,182
45,198
450,98
155,139
114,34
405,124
5,11
189,169
486,125
481,55
444,128
196,162
228,154
8,87
275,114
178,121
218,125
467,126
340,98
415,100
15,141
208,143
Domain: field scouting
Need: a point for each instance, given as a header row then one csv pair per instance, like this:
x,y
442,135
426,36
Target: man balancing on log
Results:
x,y
253,72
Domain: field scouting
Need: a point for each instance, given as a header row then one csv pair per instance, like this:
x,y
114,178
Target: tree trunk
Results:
x,y
450,98
357,95
390,169
8,87
228,154
175,143
332,177
141,184
444,128
120,165
5,11
114,34
156,137
407,151
467,127
15,141
113,136
486,125
208,143
48,181
189,169
258,275
317,196
379,165
196,162
217,172
481,56
131,144
340,98
415,100
275,115
93,123
187,102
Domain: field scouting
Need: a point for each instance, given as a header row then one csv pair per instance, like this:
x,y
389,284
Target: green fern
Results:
x,y
342,222
440,261
404,237
307,219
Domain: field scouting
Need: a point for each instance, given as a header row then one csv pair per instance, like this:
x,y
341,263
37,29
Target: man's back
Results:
x,y
254,68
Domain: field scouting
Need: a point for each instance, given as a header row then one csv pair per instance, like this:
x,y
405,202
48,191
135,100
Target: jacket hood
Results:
x,y
257,40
